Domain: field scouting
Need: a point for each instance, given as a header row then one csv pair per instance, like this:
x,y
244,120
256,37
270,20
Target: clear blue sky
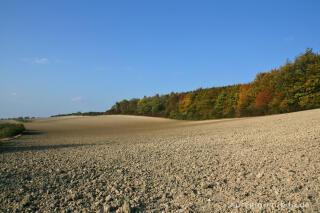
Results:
x,y
66,56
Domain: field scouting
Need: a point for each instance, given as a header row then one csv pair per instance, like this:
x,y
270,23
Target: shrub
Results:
x,y
9,130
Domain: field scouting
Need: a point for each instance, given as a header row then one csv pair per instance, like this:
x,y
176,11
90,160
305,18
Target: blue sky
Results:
x,y
68,56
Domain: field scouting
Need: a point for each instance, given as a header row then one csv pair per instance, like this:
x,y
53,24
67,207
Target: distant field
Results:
x,y
118,162
97,128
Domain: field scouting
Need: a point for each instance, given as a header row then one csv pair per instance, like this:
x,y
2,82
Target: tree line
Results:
x,y
294,86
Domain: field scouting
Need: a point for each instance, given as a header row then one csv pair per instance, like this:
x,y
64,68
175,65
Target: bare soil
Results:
x,y
122,163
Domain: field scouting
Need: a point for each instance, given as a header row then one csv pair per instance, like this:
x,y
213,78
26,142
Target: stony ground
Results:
x,y
140,164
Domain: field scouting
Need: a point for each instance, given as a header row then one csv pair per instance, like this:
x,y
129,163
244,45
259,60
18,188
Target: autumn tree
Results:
x,y
294,86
